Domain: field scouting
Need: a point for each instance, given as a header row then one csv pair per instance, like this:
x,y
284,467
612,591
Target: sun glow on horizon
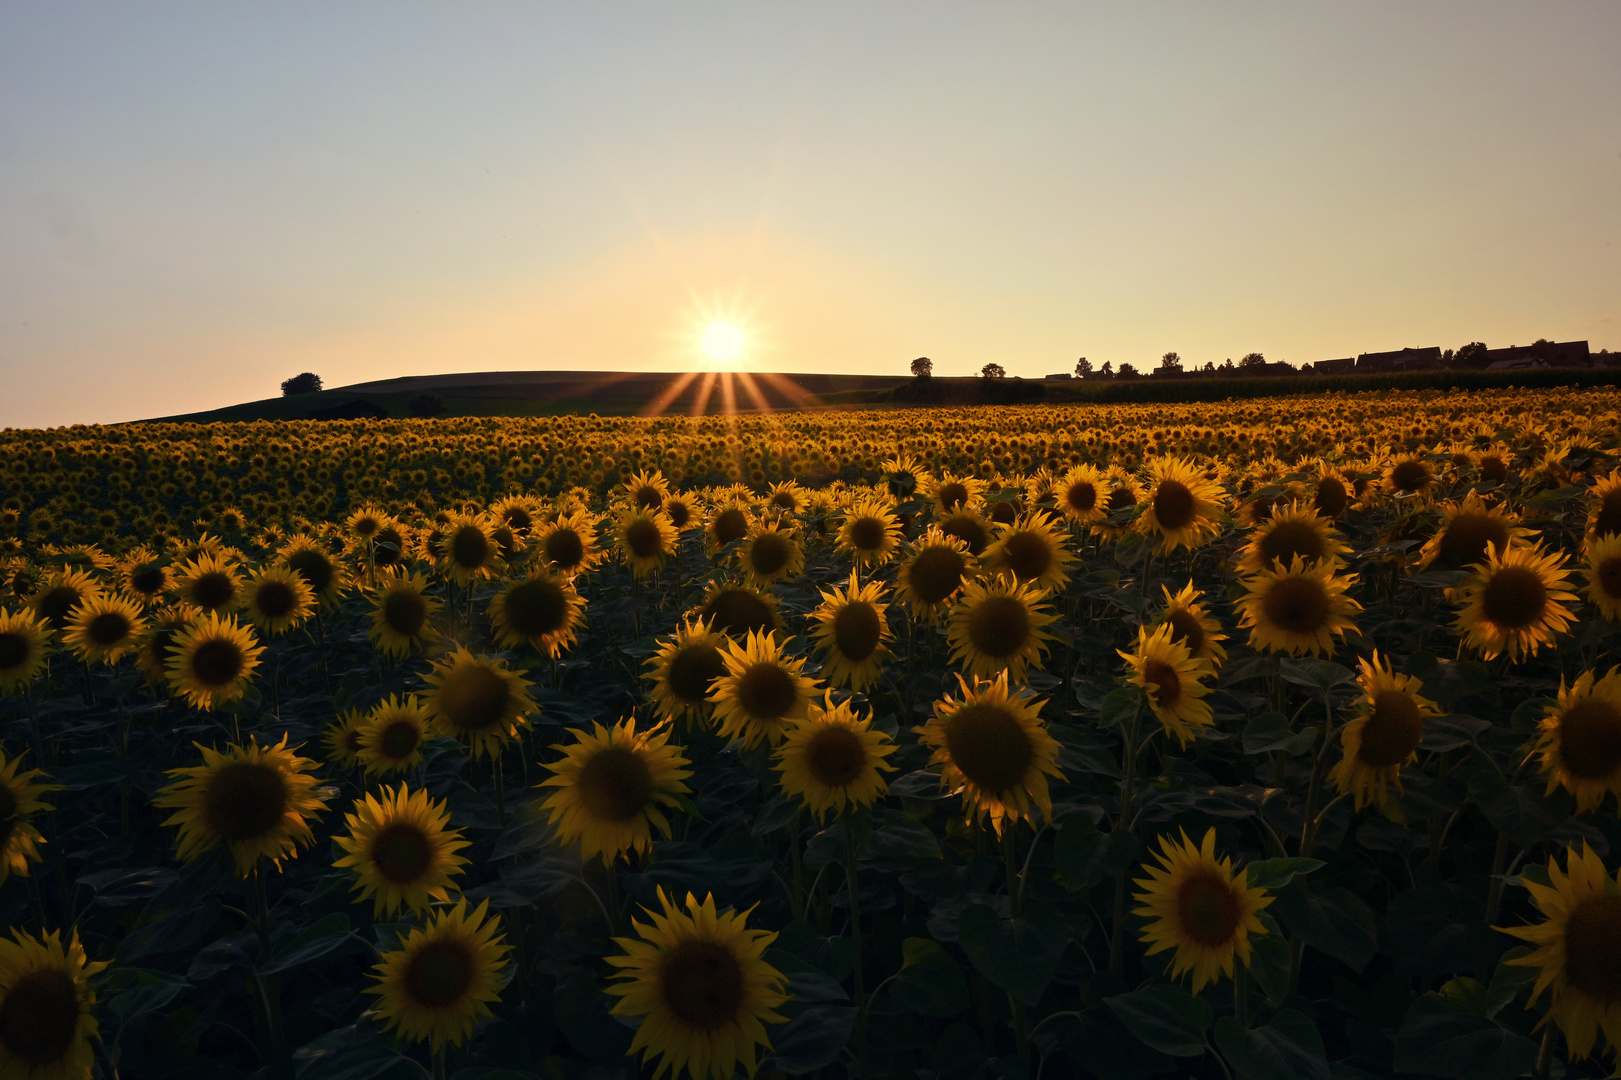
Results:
x,y
722,341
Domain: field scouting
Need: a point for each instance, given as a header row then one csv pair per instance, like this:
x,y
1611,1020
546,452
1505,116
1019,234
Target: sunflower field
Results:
x,y
1268,739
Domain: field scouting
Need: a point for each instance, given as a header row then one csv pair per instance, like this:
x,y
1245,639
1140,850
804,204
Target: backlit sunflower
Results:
x,y
1331,491
212,661
997,626
47,1007
646,540
1468,530
699,980
1183,507
832,760
145,574
543,612
955,495
1123,495
104,628
391,736
152,654
853,628
1408,475
1515,602
1192,624
786,497
478,700
467,549
1032,549
762,690
1080,494
684,670
438,984
1580,739
771,553
728,523
20,802
402,614
738,610
1294,529
321,572
1604,575
257,801
1578,950
341,739
1172,680
59,593
276,599
1604,511
208,583
364,523
647,491
612,787
869,533
1299,610
24,644
934,573
993,749
970,528
1383,737
401,849
1199,907
569,544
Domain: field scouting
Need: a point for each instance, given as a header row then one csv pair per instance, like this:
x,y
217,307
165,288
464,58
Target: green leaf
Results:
x,y
774,815
929,982
1270,731
1118,707
1270,960
133,992
812,1040
1086,856
1019,955
1317,674
1336,922
1287,1048
1171,1021
922,784
1508,980
1276,873
350,1053
1447,1042
326,935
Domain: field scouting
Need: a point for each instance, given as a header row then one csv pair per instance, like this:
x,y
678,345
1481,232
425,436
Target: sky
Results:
x,y
198,200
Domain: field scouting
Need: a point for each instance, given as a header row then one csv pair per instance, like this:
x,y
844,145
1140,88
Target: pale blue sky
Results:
x,y
198,200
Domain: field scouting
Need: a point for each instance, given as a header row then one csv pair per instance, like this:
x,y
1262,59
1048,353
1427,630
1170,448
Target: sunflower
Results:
x,y
212,661
275,599
401,614
143,573
679,511
543,612
401,850
47,1007
569,544
390,545
900,475
993,748
1332,491
770,554
935,571
1123,495
255,800
208,583
1604,575
729,523
1298,610
341,739
613,784
62,591
738,610
321,572
1384,736
869,533
468,551
647,540
684,671
1199,907
762,690
699,980
478,700
365,523
1295,529
1184,508
1604,516
955,495
997,626
152,654
104,628
854,630
647,491
1080,494
391,736
1580,739
1515,602
1172,680
24,644
831,760
972,530
1409,474
1578,950
1468,531
786,497
441,979
1192,624
19,802
1031,549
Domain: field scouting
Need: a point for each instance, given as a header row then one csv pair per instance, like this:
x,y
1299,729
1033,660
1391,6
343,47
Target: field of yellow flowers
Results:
x,y
1268,739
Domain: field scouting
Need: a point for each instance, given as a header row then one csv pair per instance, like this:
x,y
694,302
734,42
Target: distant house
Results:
x,y
1274,367
1541,354
1343,366
1401,360
1060,375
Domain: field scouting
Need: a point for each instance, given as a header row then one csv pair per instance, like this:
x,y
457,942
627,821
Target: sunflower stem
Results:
x,y
1494,895
797,898
1241,997
439,1068
1010,857
1128,766
1308,830
855,932
499,774
1545,1051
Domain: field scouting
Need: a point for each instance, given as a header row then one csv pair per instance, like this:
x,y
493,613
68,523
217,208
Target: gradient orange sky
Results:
x,y
198,201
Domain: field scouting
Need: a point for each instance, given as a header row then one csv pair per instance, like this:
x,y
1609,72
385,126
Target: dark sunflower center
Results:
x,y
935,573
366,526
275,599
784,500
1081,496
1004,512
399,740
212,590
643,538
1286,539
1121,498
402,853
314,567
565,548
770,552
989,746
1297,605
440,974
680,513
1608,576
835,756
1593,947
1608,519
999,626
1465,539
147,579
615,784
1515,597
1185,628
731,524
867,533
351,740
469,547
518,517
1590,739
8,813
40,1016
1208,910
952,495
857,629
737,611
245,800
702,984
1410,475
474,698
1493,468
387,547
54,606
1331,497
1027,554
217,662
405,611
692,670
969,529
1167,684
648,498
536,607
1174,505
14,650
1391,734
109,628
767,691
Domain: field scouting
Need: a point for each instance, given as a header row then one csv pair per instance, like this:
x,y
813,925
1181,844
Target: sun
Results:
x,y
722,341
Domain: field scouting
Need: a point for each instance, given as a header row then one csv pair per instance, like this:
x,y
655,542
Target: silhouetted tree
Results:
x,y
1209,367
1128,371
1471,355
923,367
1107,370
307,383
1253,359
427,405
1227,365
1171,361
993,371
1083,368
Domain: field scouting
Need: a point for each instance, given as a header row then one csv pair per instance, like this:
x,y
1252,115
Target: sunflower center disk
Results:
x,y
1608,577
1392,732
648,498
1185,629
967,528
702,984
989,746
737,611
1515,597
731,525
216,662
1593,948
55,605
213,590
1120,499
1609,514
147,579
399,740
1005,512
474,698
952,495
565,548
1166,683
1208,910
692,671
615,784
315,568
274,599
40,1016
767,692
1590,739
935,574
867,533
835,756
245,800
1331,497
402,853
1081,496
769,553
1027,554
469,547
536,607
405,611
386,547
13,651
857,630
1466,538
643,539
108,629
1174,505
1287,539
999,626
1297,605
439,975
1410,475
